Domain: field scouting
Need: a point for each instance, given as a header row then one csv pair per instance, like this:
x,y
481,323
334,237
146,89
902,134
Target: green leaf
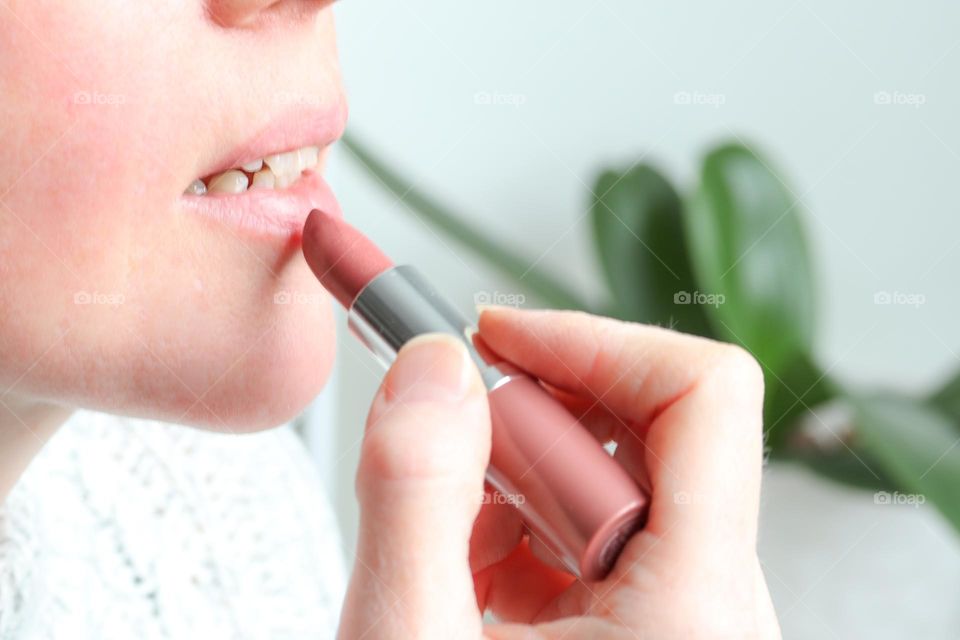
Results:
x,y
847,467
918,447
639,238
746,244
947,399
800,384
551,290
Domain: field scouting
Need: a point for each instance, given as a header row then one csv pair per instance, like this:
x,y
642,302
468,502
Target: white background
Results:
x,y
597,81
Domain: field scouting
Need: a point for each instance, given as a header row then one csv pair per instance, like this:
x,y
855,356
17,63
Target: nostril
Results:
x,y
236,13
233,14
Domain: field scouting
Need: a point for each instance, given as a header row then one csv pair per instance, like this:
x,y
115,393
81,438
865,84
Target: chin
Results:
x,y
275,379
236,377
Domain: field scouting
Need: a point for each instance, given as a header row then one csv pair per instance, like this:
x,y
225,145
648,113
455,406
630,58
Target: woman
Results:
x,y
150,250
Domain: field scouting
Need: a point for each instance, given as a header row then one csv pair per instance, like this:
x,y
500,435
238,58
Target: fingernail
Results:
x,y
432,367
486,306
481,308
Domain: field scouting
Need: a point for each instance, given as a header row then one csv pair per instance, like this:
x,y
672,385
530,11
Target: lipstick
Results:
x,y
571,494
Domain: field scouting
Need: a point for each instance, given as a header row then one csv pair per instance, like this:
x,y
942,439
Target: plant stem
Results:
x,y
550,290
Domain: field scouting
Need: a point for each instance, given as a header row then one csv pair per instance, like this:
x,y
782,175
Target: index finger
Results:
x,y
700,401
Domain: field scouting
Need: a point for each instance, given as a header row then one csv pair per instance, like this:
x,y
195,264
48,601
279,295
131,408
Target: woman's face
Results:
x,y
120,292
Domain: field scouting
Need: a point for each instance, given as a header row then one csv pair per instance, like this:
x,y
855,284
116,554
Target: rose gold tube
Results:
x,y
576,498
570,493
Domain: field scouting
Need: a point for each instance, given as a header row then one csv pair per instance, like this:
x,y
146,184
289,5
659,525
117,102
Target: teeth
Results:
x,y
309,157
196,188
284,181
263,180
284,164
253,167
276,171
229,182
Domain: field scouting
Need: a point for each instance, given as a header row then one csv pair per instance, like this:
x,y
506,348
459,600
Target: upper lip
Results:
x,y
297,127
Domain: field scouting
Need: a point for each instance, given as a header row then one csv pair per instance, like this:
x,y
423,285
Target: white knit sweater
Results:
x,y
128,529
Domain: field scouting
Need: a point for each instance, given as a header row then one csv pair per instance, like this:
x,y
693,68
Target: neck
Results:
x,y
25,426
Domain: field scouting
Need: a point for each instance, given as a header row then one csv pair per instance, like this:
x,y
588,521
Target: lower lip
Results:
x,y
268,213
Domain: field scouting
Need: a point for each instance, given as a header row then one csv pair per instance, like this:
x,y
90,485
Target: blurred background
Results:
x,y
508,112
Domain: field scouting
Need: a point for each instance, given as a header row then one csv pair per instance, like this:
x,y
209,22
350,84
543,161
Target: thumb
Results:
x,y
420,484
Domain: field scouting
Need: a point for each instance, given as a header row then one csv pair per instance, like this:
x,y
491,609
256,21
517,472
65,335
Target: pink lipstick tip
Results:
x,y
343,259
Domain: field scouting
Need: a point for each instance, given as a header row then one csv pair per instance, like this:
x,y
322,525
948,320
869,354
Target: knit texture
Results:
x,y
124,528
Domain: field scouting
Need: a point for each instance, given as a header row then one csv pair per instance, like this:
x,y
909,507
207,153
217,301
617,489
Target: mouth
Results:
x,y
275,171
268,185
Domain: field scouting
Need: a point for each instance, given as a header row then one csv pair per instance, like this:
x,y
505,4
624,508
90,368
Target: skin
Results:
x,y
685,413
90,202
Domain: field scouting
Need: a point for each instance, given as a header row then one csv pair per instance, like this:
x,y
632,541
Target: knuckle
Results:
x,y
609,346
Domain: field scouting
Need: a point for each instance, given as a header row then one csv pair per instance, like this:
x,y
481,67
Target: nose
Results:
x,y
244,13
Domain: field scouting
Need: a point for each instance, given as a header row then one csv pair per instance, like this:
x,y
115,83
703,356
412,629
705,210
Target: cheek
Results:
x,y
54,226
73,152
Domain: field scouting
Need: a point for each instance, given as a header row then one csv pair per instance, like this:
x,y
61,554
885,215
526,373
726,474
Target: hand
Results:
x,y
685,413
